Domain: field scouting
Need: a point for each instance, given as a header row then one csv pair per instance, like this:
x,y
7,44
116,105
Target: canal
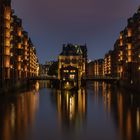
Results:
x,y
98,112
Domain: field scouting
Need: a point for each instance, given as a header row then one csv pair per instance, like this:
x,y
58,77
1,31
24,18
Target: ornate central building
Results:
x,y
72,65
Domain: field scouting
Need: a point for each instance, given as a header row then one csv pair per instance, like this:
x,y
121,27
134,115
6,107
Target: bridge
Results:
x,y
87,78
44,78
100,78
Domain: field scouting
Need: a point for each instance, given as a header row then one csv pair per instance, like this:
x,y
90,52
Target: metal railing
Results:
x,y
90,77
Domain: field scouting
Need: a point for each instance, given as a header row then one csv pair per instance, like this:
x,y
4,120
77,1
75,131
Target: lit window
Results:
x,y
19,58
121,43
129,53
129,33
121,58
72,71
7,63
11,54
7,42
19,33
129,59
7,15
121,52
129,46
19,46
72,76
66,71
120,36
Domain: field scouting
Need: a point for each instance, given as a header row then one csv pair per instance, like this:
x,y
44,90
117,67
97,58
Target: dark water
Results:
x,y
99,112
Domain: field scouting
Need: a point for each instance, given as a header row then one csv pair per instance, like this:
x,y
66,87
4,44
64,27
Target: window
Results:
x,y
72,76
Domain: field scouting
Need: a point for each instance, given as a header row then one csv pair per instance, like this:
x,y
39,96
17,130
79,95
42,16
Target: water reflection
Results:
x,y
99,111
17,115
120,105
71,107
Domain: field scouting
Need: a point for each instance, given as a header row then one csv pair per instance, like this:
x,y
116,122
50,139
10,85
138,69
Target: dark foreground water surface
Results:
x,y
99,112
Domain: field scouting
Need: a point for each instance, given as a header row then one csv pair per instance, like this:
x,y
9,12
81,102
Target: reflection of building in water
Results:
x,y
126,116
72,107
18,116
37,86
126,109
102,92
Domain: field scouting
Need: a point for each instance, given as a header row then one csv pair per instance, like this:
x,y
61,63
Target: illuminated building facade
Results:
x,y
5,27
134,48
109,64
72,64
33,61
16,57
99,67
127,52
90,68
96,68
119,57
124,60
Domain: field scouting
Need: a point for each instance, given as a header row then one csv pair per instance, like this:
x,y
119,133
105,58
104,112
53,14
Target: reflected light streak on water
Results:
x,y
100,111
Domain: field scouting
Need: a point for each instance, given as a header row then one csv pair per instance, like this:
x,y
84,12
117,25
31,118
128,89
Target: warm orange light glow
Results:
x,y
7,14
121,69
19,46
7,24
120,110
7,33
19,58
7,42
129,53
25,53
25,58
121,43
72,76
72,71
129,46
7,63
7,51
138,120
129,59
66,71
25,68
129,32
19,66
129,125
19,32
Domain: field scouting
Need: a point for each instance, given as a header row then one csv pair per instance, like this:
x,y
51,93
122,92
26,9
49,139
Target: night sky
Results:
x,y
51,23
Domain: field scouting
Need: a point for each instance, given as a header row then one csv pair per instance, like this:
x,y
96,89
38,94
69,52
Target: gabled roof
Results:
x,y
71,49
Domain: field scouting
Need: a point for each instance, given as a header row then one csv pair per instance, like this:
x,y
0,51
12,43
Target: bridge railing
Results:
x,y
43,77
101,77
